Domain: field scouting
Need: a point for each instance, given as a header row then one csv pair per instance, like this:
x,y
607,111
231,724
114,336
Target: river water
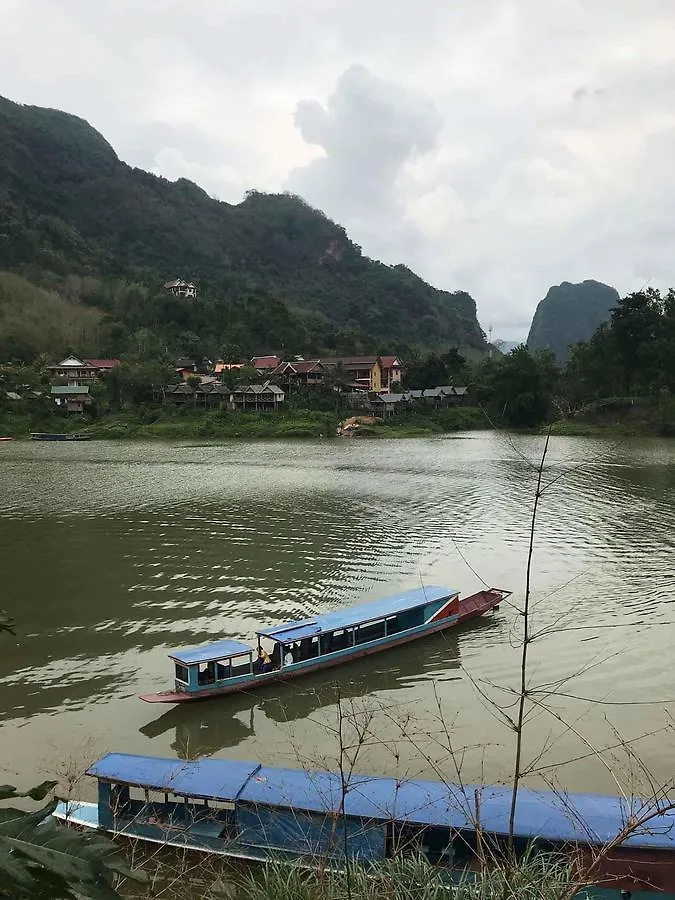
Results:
x,y
114,553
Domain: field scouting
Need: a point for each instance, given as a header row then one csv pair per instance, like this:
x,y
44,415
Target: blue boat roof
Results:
x,y
586,818
189,656
354,615
204,778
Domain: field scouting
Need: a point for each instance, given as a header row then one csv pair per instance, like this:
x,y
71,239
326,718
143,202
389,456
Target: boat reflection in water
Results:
x,y
205,728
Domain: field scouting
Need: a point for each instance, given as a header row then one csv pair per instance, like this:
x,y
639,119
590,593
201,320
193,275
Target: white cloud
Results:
x,y
499,146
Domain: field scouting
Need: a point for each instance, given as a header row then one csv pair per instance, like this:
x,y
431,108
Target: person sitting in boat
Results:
x,y
263,663
289,659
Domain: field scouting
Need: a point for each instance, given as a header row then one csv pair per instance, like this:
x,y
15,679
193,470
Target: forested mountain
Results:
x,y
273,273
570,313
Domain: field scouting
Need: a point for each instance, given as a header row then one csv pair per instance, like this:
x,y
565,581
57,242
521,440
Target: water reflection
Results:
x,y
205,727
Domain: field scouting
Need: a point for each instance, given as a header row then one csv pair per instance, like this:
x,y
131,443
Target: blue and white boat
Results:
x,y
52,436
325,640
249,811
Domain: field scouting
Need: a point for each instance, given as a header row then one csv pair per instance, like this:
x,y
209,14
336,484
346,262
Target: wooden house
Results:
x,y
300,372
259,397
266,363
71,398
76,371
180,288
367,373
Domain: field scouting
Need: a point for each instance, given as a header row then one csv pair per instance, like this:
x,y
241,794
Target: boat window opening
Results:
x,y
206,673
373,631
309,648
137,795
522,846
119,798
433,841
223,669
464,848
182,674
394,625
340,640
240,666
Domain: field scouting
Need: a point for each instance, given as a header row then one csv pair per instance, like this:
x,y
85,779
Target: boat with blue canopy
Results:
x,y
250,811
51,436
329,639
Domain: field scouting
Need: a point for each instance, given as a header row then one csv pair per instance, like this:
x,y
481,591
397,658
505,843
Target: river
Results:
x,y
114,553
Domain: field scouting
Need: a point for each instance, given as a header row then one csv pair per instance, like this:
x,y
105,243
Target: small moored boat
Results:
x,y
52,436
325,640
249,811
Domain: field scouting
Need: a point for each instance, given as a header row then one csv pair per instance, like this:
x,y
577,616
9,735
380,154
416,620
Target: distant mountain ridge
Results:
x,y
570,313
68,205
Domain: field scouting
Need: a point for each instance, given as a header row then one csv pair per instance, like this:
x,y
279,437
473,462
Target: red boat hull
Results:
x,y
476,605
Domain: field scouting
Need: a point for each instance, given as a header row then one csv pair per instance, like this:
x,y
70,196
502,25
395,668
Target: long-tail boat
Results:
x,y
325,640
249,811
53,436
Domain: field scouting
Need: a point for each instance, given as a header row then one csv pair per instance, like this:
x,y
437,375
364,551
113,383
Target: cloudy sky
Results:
x,y
493,146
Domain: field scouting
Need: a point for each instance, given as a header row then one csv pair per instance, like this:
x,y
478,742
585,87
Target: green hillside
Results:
x,y
274,274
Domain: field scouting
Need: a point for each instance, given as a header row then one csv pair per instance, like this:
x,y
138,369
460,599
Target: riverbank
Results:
x,y
162,424
621,417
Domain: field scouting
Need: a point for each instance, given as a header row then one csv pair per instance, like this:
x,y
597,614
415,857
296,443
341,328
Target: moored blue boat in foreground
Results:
x,y
248,811
54,436
325,640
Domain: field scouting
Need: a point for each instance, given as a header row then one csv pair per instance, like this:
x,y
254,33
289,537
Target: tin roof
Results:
x,y
70,390
266,362
208,652
583,818
103,363
364,612
392,398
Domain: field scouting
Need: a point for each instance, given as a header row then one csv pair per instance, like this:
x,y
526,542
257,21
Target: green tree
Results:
x,y
635,325
135,382
518,388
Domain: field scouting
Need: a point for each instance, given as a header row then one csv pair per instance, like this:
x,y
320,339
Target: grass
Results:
x,y
164,423
409,877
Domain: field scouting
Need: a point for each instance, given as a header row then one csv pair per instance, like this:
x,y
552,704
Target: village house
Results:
x,y
186,367
81,371
367,373
445,395
259,397
392,373
266,363
359,373
180,288
71,398
388,404
385,404
179,394
300,372
216,395
221,367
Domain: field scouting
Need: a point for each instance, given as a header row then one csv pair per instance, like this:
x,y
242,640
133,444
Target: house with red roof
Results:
x,y
266,363
300,372
75,371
